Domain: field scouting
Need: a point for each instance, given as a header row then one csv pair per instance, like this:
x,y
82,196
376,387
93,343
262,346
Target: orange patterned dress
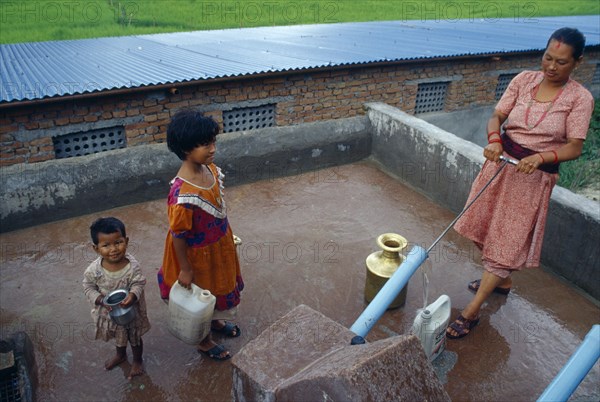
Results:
x,y
507,222
199,216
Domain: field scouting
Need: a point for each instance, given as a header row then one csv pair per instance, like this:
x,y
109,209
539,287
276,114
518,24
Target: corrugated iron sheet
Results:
x,y
47,69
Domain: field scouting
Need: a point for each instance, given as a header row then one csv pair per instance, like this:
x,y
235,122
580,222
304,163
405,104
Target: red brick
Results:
x,y
40,141
9,129
177,105
11,161
40,158
152,110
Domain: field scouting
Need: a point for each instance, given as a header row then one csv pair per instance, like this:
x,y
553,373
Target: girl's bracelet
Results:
x,y
540,155
492,133
493,140
555,157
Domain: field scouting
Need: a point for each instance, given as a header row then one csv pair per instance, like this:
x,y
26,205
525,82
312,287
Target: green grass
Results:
x,y
43,20
584,172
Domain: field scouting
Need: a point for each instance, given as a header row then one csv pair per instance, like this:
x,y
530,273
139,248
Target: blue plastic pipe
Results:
x,y
580,363
389,291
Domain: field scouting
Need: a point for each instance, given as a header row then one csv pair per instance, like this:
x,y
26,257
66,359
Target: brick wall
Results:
x,y
26,131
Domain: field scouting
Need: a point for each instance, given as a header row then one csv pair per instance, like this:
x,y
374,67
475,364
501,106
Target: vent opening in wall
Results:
x,y
89,142
248,118
503,81
431,97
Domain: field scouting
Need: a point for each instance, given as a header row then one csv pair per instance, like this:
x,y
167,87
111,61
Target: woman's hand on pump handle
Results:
x,y
528,165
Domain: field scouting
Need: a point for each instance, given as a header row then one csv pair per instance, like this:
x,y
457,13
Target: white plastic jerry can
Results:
x,y
190,312
430,326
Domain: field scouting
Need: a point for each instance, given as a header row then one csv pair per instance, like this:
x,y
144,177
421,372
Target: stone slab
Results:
x,y
307,356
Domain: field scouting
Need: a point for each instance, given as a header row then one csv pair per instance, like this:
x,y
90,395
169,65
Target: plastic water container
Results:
x,y
430,326
190,312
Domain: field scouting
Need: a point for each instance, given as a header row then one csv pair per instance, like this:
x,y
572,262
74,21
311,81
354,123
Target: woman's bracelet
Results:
x,y
492,133
555,157
540,155
498,140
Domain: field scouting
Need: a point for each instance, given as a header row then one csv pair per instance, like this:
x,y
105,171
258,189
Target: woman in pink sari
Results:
x,y
546,116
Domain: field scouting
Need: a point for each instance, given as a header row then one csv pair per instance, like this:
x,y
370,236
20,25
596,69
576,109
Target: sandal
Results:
x,y
229,329
215,353
474,286
462,326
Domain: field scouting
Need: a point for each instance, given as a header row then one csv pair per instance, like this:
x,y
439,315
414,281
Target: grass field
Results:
x,y
584,173
42,20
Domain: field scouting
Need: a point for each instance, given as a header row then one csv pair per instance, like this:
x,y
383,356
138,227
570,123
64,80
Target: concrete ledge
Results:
x,y
249,156
443,166
47,191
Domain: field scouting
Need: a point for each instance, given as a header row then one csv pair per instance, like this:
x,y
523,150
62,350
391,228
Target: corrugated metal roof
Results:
x,y
47,69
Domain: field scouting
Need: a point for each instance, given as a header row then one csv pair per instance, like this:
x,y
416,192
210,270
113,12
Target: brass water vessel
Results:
x,y
382,264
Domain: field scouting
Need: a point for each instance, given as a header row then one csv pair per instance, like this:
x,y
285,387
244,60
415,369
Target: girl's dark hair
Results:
x,y
108,226
571,37
189,129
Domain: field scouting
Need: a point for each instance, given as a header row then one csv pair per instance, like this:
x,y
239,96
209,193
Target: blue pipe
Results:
x,y
572,373
388,292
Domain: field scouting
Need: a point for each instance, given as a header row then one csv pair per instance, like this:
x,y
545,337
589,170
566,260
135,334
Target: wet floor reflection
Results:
x,y
305,242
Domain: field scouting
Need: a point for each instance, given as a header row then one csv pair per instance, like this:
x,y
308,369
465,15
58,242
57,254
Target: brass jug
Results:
x,y
382,264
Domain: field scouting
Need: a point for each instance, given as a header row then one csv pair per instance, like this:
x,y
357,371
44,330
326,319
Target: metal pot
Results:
x,y
120,315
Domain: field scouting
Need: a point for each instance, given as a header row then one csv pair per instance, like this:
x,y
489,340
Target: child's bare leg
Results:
x,y
137,367
119,358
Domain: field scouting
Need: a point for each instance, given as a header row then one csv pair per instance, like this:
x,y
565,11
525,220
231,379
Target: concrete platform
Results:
x,y
306,238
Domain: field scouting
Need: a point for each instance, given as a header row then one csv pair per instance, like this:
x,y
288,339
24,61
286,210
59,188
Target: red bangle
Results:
x,y
492,133
498,140
540,155
555,157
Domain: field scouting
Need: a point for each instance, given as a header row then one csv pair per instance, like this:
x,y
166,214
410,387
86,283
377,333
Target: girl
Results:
x,y
115,269
200,246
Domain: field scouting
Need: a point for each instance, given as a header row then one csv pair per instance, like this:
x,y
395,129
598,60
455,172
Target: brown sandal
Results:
x,y
474,286
462,326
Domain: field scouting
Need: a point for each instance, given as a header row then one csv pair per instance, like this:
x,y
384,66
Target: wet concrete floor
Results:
x,y
305,240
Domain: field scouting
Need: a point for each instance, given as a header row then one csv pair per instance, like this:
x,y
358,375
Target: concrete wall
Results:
x,y
468,124
47,191
443,166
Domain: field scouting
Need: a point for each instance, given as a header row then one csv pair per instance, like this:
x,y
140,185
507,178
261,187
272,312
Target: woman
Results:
x,y
546,116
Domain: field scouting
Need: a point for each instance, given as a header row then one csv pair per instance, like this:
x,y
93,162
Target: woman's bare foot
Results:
x,y
115,361
137,368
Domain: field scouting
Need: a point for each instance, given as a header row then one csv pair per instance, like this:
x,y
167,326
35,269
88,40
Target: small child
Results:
x,y
116,269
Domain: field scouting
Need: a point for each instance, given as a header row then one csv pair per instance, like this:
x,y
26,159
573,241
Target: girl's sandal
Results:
x,y
218,353
462,326
229,329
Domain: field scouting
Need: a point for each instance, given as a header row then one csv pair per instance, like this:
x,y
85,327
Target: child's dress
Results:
x,y
199,216
97,280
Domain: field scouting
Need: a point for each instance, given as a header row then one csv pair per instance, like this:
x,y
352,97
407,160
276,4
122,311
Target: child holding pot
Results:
x,y
116,269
